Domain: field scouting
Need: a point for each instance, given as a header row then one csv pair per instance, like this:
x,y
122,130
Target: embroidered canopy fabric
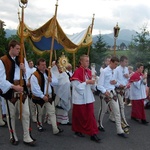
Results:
x,y
41,38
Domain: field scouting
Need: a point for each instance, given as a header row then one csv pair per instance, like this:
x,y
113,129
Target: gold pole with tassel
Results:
x,y
91,33
52,48
53,35
74,61
23,5
24,52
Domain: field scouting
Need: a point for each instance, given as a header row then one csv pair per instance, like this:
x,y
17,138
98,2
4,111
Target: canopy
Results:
x,y
41,38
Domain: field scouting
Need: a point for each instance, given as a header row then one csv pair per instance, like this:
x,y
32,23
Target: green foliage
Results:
x,y
98,51
140,48
3,42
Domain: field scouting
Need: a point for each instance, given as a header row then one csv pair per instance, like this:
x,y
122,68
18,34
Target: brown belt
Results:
x,y
17,82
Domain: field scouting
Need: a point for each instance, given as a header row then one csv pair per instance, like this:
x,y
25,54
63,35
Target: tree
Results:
x,y
140,48
3,42
98,51
123,46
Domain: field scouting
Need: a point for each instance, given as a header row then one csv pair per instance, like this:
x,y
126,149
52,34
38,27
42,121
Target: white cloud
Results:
x,y
76,15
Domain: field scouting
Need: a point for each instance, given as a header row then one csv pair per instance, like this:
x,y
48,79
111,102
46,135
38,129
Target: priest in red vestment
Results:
x,y
138,94
83,119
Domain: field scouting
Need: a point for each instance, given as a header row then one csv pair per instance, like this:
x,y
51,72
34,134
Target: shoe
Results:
x,y
144,122
41,129
113,121
60,131
125,103
129,104
95,138
79,134
14,142
29,143
68,123
135,119
122,135
101,129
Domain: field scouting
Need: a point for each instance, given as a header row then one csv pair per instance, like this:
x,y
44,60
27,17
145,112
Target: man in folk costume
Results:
x,y
42,95
9,82
32,107
122,74
138,94
2,122
83,119
63,94
106,84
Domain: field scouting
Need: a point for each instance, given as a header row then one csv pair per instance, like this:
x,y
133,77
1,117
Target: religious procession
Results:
x,y
50,94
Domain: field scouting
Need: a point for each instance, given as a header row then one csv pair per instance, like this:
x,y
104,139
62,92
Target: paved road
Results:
x,y
138,139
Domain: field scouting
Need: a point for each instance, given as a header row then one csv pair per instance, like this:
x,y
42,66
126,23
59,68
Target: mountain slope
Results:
x,y
125,36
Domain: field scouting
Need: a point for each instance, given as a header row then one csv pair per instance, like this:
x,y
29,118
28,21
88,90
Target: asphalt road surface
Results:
x,y
138,139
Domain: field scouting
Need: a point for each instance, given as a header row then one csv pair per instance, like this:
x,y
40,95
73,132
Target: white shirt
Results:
x,y
30,71
36,89
120,71
5,85
138,90
101,69
81,93
104,80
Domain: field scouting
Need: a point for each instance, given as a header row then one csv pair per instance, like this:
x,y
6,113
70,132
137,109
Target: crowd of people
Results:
x,y
49,94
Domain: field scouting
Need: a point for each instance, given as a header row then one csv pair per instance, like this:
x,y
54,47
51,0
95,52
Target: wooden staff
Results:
x,y
74,61
91,33
23,5
49,75
53,35
52,47
21,58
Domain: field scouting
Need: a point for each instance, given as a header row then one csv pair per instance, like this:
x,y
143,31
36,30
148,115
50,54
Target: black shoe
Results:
x,y
79,134
112,120
144,122
14,142
135,119
95,138
41,129
101,129
5,125
60,130
29,143
69,124
122,135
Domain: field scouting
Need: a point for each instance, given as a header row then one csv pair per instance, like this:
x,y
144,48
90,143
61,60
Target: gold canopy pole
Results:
x,y
52,48
91,33
53,35
74,61
24,52
23,5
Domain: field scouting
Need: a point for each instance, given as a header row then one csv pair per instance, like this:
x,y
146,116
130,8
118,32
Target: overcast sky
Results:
x,y
76,15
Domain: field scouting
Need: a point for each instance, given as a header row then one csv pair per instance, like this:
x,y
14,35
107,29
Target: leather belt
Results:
x,y
17,82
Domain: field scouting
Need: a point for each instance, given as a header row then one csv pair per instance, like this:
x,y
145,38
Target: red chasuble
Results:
x,y
135,77
83,119
137,111
81,73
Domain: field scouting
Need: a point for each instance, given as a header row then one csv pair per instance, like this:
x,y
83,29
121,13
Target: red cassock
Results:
x,y
83,119
137,105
